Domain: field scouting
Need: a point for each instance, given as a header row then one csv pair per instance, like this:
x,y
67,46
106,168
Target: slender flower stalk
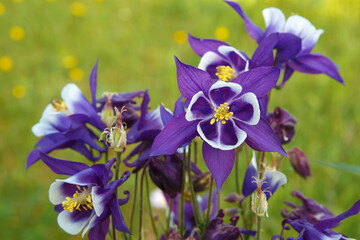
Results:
x,y
207,219
258,228
237,185
193,196
182,196
150,208
134,203
141,202
169,217
113,230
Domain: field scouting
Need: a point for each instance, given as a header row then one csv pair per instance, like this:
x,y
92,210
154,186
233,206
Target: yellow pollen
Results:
x,y
81,199
59,106
221,113
225,73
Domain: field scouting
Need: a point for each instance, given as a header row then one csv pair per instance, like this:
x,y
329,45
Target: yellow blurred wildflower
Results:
x,y
17,33
76,74
2,9
77,9
19,91
221,33
6,63
69,62
180,37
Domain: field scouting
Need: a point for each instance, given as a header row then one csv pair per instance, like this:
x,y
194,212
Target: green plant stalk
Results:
x,y
193,196
237,177
258,228
141,201
150,208
209,202
117,167
134,203
168,219
182,196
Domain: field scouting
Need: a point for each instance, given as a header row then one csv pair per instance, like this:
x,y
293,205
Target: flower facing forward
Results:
x,y
223,114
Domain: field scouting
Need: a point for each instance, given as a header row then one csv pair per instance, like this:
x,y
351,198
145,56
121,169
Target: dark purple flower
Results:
x,y
217,230
86,199
294,55
314,221
223,114
283,124
299,162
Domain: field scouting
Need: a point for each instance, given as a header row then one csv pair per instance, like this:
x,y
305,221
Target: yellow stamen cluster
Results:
x,y
59,106
221,113
225,73
79,200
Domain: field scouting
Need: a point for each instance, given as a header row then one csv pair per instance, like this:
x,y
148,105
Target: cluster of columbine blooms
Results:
x,y
223,104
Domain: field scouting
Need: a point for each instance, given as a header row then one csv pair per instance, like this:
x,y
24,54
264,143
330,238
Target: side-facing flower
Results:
x,y
283,124
86,199
223,114
302,61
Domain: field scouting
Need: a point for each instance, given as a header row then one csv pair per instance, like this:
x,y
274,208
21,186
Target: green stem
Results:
x,y
258,229
237,184
106,157
114,230
182,196
134,203
150,208
169,217
193,196
141,201
195,152
209,201
117,167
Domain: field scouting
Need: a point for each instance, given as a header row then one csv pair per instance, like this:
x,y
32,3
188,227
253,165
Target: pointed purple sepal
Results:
x,y
250,176
62,167
93,84
201,46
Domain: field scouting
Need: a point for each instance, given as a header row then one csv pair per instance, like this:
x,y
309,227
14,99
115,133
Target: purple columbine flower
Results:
x,y
314,221
283,124
297,56
223,114
299,162
86,199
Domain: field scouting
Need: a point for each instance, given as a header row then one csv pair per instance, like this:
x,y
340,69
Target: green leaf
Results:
x,y
341,166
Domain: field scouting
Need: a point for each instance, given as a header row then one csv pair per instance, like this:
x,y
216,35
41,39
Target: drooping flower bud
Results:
x,y
165,172
283,124
116,136
201,182
299,162
233,198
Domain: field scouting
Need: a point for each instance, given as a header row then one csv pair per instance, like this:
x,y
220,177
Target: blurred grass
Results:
x,y
134,43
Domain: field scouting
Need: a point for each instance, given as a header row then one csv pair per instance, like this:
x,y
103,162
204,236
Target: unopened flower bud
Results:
x,y
201,182
283,124
299,162
116,136
233,198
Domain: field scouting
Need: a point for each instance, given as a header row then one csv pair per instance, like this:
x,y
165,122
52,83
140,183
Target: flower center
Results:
x,y
79,199
221,113
225,73
59,106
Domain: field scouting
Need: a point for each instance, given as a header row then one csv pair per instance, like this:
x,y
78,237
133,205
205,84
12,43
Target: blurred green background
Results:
x,y
46,44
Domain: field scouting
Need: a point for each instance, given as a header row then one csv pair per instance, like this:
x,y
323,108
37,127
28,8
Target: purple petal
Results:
x,y
222,92
246,109
191,80
176,133
315,63
253,30
199,108
236,59
261,137
221,136
179,107
201,46
274,20
100,231
59,190
144,107
333,222
288,46
210,61
251,174
166,116
62,167
219,162
93,84
288,72
117,217
83,178
264,53
259,80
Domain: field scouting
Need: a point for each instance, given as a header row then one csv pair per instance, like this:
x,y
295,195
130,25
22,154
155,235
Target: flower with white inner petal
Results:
x,y
221,112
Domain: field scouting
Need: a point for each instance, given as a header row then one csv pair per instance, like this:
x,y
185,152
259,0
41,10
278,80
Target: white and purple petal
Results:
x,y
201,46
222,92
226,136
246,109
236,59
199,108
51,122
274,20
219,162
250,175
74,222
59,190
273,180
